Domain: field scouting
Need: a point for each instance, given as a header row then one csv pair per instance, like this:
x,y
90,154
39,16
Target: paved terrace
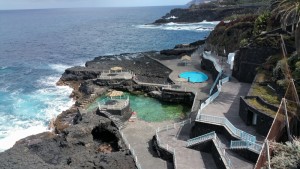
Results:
x,y
186,158
225,105
107,75
177,67
139,133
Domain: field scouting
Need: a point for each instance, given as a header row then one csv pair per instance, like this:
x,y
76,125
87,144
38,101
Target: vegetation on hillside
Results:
x,y
286,155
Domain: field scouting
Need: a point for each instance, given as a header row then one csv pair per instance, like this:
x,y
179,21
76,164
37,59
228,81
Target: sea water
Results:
x,y
36,46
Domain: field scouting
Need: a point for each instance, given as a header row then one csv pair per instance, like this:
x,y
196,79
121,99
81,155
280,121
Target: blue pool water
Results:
x,y
195,77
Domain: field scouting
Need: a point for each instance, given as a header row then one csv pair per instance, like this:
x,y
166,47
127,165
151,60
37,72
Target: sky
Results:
x,y
38,4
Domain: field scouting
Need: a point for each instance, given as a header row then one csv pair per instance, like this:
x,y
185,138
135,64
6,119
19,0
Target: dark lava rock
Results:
x,y
79,73
76,147
247,60
179,50
209,14
146,69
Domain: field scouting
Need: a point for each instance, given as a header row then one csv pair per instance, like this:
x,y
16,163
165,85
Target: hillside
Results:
x,y
208,12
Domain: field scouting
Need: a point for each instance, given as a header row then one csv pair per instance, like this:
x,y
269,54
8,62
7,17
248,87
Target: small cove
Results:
x,y
150,109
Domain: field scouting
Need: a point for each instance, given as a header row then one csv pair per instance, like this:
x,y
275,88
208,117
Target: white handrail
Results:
x,y
222,153
138,165
228,125
208,56
242,144
215,83
201,139
166,146
212,136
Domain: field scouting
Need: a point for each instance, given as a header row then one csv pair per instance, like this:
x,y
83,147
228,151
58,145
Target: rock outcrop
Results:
x,y
212,13
92,143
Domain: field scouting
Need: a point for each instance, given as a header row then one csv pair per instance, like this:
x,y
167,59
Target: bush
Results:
x,y
244,43
261,23
286,155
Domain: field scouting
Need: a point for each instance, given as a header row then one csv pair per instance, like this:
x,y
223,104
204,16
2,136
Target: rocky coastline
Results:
x,y
199,13
76,140
91,140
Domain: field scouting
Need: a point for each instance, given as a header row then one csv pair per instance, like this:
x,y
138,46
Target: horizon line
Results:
x,y
12,9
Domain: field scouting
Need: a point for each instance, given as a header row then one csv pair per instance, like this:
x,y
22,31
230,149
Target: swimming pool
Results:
x,y
195,77
150,109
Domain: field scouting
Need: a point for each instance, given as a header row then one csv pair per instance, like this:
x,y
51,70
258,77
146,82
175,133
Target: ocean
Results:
x,y
36,46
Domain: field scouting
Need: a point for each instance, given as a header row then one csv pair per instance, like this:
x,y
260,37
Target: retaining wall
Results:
x,y
210,147
264,121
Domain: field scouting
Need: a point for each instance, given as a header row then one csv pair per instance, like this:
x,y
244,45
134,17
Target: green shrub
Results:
x,y
261,23
244,43
286,155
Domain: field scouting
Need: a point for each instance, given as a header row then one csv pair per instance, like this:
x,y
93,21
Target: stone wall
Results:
x,y
209,66
247,154
248,59
200,128
120,112
264,121
210,147
177,97
161,152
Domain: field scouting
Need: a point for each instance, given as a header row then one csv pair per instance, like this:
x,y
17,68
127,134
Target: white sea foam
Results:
x,y
59,67
118,58
198,27
171,17
55,97
3,67
13,134
32,112
131,56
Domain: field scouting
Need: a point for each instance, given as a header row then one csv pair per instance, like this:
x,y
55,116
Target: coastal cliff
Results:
x,y
87,140
202,12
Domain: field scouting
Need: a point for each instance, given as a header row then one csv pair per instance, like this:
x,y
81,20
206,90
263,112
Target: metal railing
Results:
x,y
246,145
117,71
215,83
212,136
150,84
212,97
207,102
173,126
114,107
201,139
222,152
228,125
137,163
224,80
194,102
207,55
177,88
122,74
166,146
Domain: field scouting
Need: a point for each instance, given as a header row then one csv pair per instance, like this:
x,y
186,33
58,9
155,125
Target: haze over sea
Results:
x,y
36,46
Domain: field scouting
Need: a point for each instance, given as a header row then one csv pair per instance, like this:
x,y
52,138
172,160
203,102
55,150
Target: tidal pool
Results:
x,y
149,109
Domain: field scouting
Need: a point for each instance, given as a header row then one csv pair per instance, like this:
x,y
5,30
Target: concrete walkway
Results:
x,y
227,105
202,89
139,135
186,158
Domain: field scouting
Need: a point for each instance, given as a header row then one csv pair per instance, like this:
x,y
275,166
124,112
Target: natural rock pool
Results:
x,y
150,109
